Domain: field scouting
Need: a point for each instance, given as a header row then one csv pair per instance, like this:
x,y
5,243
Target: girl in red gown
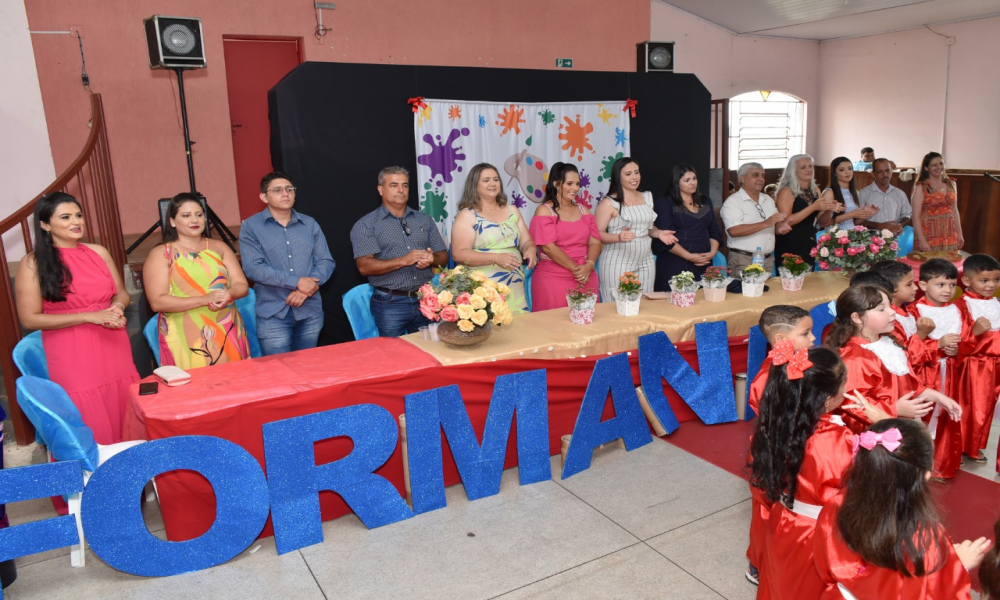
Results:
x,y
798,456
882,537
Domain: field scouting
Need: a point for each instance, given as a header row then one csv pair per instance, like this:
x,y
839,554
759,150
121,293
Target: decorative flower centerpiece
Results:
x,y
683,288
793,272
466,303
753,277
582,302
853,249
628,294
715,280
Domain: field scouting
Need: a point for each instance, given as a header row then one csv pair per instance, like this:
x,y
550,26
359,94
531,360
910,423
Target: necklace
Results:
x,y
189,249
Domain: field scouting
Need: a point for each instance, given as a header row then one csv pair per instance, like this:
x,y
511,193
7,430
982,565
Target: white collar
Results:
x,y
892,356
988,307
947,319
909,323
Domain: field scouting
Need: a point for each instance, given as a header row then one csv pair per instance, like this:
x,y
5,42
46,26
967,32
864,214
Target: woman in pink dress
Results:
x,y
568,241
73,293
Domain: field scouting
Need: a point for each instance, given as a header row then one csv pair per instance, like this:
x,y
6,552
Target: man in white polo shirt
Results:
x,y
749,217
894,210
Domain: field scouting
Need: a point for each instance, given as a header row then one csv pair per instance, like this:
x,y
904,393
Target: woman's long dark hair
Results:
x,y
169,231
54,277
835,183
925,164
615,190
888,516
675,186
859,299
557,173
789,413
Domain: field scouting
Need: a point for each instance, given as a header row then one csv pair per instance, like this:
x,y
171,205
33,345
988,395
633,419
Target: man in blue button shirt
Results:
x,y
285,253
397,247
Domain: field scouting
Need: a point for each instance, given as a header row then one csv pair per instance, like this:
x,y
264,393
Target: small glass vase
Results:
x,y
581,312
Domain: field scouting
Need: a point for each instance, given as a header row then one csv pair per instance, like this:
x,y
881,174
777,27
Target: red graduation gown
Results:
x,y
836,563
787,571
978,374
869,375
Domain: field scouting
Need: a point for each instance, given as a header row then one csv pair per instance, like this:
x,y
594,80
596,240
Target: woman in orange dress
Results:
x,y
936,225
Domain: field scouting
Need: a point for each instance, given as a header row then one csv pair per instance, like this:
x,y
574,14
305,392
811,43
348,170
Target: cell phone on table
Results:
x,y
149,388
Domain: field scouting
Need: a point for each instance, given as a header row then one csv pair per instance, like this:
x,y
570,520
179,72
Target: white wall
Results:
x,y
888,92
26,165
729,65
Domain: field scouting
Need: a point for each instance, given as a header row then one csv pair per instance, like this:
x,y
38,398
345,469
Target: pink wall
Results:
x,y
888,92
141,105
729,65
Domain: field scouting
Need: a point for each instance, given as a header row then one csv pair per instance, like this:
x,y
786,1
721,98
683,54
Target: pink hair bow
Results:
x,y
890,440
797,360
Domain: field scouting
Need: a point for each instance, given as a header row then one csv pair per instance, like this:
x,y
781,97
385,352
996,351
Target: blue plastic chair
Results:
x,y
29,356
821,317
719,260
905,242
357,305
247,306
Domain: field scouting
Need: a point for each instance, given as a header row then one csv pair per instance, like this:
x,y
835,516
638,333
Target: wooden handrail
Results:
x,y
91,180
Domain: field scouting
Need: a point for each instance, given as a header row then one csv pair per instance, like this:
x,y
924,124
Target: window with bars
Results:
x,y
767,131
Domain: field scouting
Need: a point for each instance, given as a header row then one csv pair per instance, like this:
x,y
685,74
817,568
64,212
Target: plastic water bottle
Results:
x,y
758,257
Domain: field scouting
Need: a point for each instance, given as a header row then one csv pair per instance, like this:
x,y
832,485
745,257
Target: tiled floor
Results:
x,y
653,523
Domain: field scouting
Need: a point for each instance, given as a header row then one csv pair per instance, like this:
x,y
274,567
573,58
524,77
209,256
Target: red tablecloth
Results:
x,y
233,401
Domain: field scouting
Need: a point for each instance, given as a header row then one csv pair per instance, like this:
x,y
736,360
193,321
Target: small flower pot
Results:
x,y
582,312
753,290
715,294
627,303
682,299
792,284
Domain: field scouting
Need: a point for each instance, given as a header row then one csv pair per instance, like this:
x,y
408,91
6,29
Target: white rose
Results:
x,y
886,234
824,252
832,229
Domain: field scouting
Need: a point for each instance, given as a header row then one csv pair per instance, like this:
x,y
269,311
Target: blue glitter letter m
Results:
x,y
480,466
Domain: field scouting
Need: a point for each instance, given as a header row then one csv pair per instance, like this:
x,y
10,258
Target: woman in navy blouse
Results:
x,y
691,216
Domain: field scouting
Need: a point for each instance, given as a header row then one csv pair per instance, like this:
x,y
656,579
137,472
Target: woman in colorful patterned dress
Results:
x,y
489,235
73,293
192,281
936,225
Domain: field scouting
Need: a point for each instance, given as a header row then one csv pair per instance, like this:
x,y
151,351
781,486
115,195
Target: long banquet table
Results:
x,y
233,401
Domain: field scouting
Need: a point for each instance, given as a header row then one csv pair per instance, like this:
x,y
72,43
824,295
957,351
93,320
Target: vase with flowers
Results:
x,y
628,294
854,248
793,272
466,303
753,277
683,288
582,303
715,280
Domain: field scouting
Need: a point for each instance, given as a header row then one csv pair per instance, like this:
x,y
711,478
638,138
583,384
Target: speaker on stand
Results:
x,y
176,43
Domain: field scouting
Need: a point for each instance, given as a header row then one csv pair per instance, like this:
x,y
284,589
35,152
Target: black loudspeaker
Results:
x,y
175,42
655,56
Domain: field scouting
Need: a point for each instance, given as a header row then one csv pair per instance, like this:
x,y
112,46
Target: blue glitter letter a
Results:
x,y
480,466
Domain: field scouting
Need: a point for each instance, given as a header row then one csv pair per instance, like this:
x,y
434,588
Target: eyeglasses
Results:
x,y
406,228
277,190
760,210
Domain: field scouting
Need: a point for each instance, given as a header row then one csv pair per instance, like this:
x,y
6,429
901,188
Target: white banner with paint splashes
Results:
x,y
522,140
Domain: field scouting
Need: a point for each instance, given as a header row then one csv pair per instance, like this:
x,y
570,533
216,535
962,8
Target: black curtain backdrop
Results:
x,y
334,126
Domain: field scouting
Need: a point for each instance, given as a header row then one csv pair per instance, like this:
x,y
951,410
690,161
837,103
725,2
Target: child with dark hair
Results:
x,y
779,323
989,568
908,329
978,375
938,365
860,278
799,454
877,366
882,538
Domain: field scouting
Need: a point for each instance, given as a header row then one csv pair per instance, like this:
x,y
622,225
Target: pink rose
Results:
x,y
449,313
838,252
431,302
844,241
464,298
824,238
852,251
877,240
873,248
824,265
860,228
427,290
427,312
813,252
893,246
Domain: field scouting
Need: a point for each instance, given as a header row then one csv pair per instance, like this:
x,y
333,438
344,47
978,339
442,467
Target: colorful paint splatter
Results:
x,y
606,165
548,117
511,119
620,137
576,137
604,114
443,158
455,112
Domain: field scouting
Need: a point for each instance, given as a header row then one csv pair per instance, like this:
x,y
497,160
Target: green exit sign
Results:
x,y
564,63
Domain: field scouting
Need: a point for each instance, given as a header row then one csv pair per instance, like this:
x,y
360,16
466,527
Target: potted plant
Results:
x,y
853,249
582,302
753,277
683,288
628,294
715,280
793,272
466,303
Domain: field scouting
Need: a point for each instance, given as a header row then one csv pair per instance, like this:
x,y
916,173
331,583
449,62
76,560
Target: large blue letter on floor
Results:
x,y
710,395
480,466
112,515
615,375
295,481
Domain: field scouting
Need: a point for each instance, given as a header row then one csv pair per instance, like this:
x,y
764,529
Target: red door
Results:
x,y
253,66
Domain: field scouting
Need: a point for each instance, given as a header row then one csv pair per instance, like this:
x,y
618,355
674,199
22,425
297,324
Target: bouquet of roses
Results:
x,y
467,298
716,278
853,248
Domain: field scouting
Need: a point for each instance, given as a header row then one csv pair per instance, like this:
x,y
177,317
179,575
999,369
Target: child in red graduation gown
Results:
x,y
906,328
938,280
799,454
877,367
978,374
778,323
882,538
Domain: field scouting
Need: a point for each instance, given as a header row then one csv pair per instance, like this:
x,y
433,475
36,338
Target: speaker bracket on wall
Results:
x,y
655,57
175,42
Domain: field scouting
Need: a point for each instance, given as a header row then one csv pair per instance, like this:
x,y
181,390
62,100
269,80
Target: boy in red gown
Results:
x,y
907,327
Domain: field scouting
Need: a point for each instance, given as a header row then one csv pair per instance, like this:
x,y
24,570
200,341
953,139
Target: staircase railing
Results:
x,y
91,181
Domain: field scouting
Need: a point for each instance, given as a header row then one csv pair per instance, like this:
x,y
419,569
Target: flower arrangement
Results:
x,y
629,284
853,248
582,305
628,294
683,282
469,299
715,278
754,273
792,265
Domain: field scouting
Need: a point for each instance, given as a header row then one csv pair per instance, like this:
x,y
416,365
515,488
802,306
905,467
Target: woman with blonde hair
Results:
x,y
798,197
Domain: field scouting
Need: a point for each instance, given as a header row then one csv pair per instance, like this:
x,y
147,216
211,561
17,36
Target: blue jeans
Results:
x,y
277,335
396,315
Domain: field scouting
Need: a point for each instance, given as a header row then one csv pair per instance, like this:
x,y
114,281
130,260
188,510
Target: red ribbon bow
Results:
x,y
630,104
797,360
890,440
417,103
